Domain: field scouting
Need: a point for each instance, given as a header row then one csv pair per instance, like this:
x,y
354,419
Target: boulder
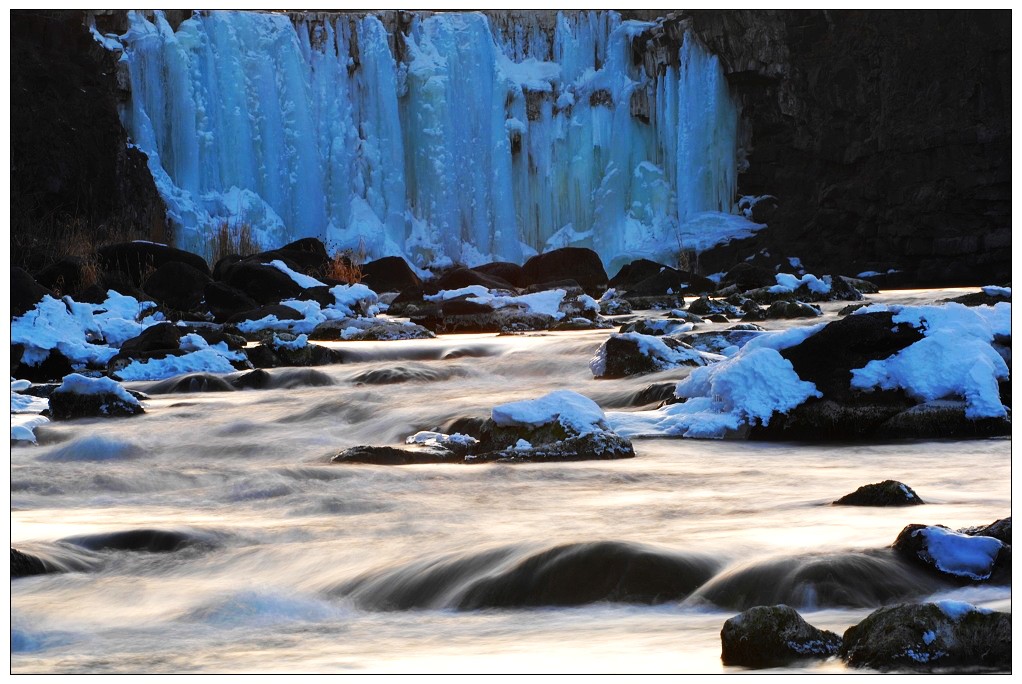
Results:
x,y
656,326
457,278
704,306
25,292
614,306
772,636
82,397
390,274
627,354
384,455
635,272
272,355
746,276
792,309
137,259
717,342
369,329
307,256
943,418
506,271
956,557
265,284
159,337
282,312
886,493
999,529
948,635
54,367
177,285
66,275
577,263
224,301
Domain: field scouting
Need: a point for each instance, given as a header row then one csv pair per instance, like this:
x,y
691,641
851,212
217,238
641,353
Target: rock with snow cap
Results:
x,y
625,354
957,557
772,636
82,397
945,636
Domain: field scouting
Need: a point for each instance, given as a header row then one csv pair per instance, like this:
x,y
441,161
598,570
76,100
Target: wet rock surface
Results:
x,y
771,636
886,493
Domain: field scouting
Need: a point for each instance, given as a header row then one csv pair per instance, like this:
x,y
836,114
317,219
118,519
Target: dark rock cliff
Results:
x,y
73,177
886,136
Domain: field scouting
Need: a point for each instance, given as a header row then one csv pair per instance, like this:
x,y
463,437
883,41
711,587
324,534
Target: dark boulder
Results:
x,y
670,281
25,292
67,275
746,276
177,285
384,455
504,270
886,493
272,355
999,529
54,367
704,306
26,565
457,278
137,259
265,284
159,337
224,301
390,274
282,312
948,636
985,297
577,263
954,556
570,286
307,256
943,418
772,636
635,272
792,309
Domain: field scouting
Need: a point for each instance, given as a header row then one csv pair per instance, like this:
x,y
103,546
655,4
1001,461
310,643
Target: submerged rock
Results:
x,y
771,636
886,493
947,634
26,565
385,455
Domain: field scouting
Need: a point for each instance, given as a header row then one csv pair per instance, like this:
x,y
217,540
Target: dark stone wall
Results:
x,y
73,176
886,136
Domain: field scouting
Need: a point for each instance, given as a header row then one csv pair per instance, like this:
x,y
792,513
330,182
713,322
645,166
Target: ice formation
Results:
x,y
459,139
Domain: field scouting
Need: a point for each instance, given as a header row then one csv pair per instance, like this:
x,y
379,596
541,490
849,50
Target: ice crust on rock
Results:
x,y
960,554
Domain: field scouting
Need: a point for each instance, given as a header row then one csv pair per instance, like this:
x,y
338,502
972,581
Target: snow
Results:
x,y
704,230
349,302
954,358
23,427
76,383
300,279
960,554
575,412
208,360
956,610
745,389
996,291
440,439
297,343
786,282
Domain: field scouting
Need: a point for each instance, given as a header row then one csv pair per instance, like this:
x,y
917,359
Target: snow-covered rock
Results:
x,y
82,397
632,353
956,556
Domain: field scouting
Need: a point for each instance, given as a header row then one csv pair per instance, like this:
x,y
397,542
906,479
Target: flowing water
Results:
x,y
286,562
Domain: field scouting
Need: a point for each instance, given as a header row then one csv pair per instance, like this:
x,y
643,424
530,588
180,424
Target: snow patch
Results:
x,y
577,413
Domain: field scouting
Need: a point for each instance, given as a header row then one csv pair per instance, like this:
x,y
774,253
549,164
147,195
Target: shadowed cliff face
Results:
x,y
71,168
886,137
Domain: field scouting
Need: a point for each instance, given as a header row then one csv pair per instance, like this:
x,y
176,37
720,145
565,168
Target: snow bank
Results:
x,y
745,389
576,413
207,360
954,358
79,330
79,384
23,427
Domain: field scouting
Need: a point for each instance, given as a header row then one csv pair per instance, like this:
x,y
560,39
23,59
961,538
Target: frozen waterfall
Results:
x,y
458,141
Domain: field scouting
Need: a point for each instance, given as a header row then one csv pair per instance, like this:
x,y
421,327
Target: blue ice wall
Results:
x,y
477,144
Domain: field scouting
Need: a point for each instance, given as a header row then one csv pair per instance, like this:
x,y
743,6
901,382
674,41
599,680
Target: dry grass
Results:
x,y
230,238
346,264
